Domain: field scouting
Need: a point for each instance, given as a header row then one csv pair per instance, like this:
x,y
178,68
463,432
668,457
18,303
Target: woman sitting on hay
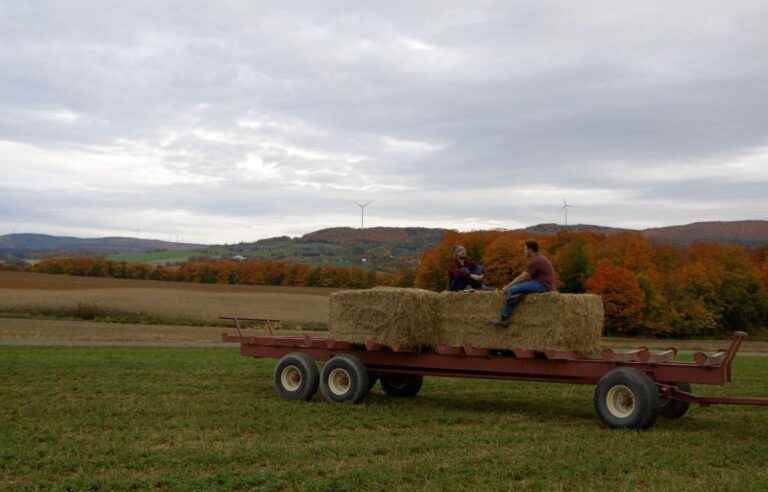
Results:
x,y
464,273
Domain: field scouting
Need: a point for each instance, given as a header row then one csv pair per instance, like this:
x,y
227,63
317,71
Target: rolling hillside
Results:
x,y
744,232
381,248
377,247
43,243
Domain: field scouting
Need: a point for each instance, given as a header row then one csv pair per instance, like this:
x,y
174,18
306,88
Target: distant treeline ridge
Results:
x,y
254,272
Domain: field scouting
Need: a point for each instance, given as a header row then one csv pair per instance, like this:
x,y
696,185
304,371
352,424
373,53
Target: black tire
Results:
x,y
344,380
675,409
296,377
402,385
627,399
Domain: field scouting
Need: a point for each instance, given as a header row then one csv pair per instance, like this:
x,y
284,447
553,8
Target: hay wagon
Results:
x,y
632,387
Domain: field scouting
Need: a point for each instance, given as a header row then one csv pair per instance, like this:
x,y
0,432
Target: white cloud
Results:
x,y
409,145
254,168
416,44
457,116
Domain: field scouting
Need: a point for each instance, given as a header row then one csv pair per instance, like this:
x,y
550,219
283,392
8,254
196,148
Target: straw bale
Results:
x,y
540,321
405,318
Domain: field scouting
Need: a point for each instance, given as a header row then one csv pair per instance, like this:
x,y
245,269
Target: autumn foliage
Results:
x,y
623,299
227,272
647,288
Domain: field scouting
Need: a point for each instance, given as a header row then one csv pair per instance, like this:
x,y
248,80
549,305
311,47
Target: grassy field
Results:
x,y
44,330
153,302
42,281
196,419
156,257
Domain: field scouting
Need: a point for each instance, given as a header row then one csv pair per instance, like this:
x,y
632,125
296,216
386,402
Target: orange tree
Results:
x,y
629,250
623,298
504,259
433,268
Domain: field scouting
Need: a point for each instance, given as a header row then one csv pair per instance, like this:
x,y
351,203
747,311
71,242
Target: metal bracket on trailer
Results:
x,y
674,393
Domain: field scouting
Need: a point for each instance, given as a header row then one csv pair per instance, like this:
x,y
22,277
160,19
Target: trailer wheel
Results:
x,y
296,377
402,385
675,409
344,380
627,399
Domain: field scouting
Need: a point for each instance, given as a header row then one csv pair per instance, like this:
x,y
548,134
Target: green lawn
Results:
x,y
115,419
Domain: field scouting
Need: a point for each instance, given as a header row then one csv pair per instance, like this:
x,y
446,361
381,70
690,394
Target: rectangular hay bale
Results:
x,y
540,321
404,318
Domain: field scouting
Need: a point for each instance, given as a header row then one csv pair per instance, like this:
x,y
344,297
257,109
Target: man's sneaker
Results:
x,y
500,323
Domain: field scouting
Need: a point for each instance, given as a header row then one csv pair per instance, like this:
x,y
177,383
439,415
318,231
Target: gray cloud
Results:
x,y
248,119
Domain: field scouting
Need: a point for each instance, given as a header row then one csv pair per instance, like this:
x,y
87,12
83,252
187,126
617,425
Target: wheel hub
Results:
x,y
620,401
291,378
339,382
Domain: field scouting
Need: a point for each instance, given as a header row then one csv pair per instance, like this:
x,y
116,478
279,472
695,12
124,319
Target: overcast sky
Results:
x,y
224,121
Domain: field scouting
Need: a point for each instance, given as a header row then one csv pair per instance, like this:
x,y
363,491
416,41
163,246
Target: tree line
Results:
x,y
658,289
254,272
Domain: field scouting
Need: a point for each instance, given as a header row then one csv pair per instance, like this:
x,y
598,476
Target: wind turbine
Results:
x,y
362,212
565,208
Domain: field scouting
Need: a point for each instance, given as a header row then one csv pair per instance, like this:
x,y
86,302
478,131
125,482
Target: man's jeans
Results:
x,y
516,292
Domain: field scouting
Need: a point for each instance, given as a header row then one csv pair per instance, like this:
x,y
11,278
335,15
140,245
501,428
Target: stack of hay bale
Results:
x,y
415,318
407,318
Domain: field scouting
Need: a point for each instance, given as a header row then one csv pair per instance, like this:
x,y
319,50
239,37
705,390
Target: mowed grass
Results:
x,y
199,419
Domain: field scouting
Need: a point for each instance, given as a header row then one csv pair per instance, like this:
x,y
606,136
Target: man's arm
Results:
x,y
523,277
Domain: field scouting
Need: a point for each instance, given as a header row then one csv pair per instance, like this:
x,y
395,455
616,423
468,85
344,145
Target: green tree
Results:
x,y
573,267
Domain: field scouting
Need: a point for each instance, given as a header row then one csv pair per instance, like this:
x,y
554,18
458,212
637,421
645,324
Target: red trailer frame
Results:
x,y
670,377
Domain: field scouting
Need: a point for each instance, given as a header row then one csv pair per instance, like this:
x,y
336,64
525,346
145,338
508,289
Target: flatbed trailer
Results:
x,y
632,387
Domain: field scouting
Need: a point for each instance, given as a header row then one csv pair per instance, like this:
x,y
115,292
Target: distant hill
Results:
x,y
24,244
404,236
377,247
381,248
549,229
744,232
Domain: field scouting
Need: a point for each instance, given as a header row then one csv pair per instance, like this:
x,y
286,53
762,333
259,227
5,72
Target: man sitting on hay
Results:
x,y
538,277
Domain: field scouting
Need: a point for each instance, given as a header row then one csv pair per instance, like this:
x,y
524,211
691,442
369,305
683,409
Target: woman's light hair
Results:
x,y
457,249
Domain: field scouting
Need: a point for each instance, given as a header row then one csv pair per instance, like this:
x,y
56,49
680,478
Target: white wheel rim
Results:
x,y
339,381
291,378
620,401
